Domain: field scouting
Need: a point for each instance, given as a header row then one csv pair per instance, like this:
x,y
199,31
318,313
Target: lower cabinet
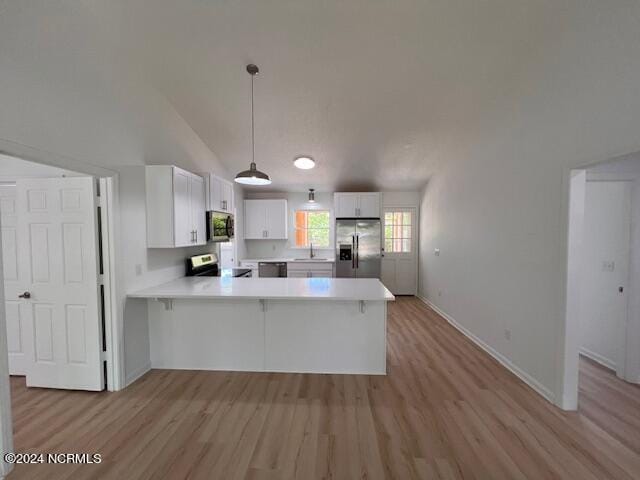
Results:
x,y
297,273
298,269
309,270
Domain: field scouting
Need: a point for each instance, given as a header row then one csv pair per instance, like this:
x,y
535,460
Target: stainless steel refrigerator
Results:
x,y
358,248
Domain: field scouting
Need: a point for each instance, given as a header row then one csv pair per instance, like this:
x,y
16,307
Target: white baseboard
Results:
x,y
596,357
135,375
504,361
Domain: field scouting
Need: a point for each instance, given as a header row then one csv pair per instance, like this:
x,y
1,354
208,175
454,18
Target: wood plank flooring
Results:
x,y
446,410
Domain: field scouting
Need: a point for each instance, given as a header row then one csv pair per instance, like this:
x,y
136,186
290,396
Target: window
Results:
x,y
397,232
312,227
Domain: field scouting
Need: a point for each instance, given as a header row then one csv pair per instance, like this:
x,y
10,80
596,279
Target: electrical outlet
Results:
x,y
436,252
439,293
507,334
608,266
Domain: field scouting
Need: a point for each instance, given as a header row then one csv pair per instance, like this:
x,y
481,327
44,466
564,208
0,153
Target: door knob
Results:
x,y
25,295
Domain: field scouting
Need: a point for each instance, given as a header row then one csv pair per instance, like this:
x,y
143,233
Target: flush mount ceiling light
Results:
x,y
312,195
253,176
304,162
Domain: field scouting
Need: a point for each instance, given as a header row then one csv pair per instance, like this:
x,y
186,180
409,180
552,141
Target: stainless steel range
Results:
x,y
206,265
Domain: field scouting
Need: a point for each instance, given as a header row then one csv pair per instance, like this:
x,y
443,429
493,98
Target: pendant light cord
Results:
x,y
253,140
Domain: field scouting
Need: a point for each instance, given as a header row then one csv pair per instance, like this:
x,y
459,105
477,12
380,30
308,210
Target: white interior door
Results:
x,y
399,263
56,223
16,341
605,272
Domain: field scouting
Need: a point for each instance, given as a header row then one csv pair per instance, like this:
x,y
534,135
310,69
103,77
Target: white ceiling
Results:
x,y
374,90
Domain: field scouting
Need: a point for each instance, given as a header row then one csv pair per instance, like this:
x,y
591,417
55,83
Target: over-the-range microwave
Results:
x,y
219,226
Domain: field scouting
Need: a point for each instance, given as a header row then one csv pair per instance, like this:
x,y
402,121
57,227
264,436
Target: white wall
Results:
x,y
401,199
240,243
497,206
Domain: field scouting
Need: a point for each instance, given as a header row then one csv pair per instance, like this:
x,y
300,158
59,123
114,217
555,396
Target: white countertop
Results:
x,y
368,289
289,260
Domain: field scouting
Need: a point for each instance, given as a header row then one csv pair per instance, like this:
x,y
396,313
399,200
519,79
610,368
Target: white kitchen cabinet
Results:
x,y
321,273
369,205
309,270
357,204
176,207
219,194
265,219
346,205
298,274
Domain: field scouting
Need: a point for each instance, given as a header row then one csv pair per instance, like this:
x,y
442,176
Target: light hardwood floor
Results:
x,y
445,410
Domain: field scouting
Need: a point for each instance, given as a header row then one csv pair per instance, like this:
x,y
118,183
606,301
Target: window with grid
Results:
x,y
397,232
312,227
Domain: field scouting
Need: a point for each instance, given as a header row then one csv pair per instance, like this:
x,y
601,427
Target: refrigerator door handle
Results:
x,y
357,251
353,253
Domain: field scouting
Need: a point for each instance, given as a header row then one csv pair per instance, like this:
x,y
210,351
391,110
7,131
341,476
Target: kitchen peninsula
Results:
x,y
314,325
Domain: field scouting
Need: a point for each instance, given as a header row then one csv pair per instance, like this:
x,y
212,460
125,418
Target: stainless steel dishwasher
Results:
x,y
272,269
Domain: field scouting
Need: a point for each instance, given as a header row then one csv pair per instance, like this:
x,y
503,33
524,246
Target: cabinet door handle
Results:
x,y
196,232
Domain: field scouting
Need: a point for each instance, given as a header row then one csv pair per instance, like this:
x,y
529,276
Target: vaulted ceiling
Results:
x,y
374,90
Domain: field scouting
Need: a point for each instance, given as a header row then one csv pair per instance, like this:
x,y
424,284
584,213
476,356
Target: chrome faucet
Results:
x,y
311,254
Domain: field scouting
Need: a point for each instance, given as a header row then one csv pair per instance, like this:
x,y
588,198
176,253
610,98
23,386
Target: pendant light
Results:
x,y
312,195
253,176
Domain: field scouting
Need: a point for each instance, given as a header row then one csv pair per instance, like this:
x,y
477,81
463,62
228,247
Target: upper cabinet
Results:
x,y
219,194
176,210
265,219
357,205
